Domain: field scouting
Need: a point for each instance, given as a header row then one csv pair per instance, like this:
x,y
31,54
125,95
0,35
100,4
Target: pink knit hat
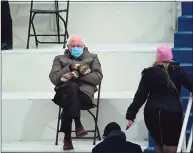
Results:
x,y
164,53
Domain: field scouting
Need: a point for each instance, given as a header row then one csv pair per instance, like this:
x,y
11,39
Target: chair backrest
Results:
x,y
56,5
56,1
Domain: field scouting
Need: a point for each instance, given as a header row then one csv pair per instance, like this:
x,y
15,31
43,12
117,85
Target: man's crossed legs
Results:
x,y
76,100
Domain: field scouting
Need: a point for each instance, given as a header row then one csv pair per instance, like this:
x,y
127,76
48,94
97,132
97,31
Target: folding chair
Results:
x,y
55,11
95,117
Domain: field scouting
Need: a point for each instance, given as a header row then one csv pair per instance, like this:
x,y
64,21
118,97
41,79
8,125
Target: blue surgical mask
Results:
x,y
77,52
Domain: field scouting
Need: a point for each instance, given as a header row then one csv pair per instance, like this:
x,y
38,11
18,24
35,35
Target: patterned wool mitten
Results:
x,y
66,77
69,76
75,74
84,69
75,67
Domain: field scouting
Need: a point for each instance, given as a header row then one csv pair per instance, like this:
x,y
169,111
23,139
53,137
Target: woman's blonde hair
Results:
x,y
165,65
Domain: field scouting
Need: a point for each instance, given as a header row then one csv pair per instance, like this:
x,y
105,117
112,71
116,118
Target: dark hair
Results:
x,y
111,127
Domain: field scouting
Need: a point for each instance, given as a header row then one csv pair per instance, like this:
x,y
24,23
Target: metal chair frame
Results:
x,y
57,12
95,131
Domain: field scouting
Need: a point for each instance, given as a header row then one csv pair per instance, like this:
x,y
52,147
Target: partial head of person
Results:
x,y
113,126
163,55
75,44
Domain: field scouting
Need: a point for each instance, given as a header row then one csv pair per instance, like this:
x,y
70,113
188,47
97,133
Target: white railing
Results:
x,y
174,15
176,12
182,141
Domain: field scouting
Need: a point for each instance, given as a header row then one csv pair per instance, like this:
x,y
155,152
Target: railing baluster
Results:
x,y
190,141
182,140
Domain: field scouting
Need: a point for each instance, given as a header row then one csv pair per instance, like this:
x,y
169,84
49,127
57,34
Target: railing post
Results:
x,y
184,144
174,15
182,140
190,140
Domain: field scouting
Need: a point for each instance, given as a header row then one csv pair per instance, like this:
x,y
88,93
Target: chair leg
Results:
x,y
58,28
29,30
33,27
66,24
58,124
57,21
66,32
96,130
36,39
96,123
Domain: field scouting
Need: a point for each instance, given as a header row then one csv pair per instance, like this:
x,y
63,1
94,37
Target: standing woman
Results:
x,y
160,85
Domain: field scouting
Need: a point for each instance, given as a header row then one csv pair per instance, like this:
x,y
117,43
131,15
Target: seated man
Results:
x,y
75,75
115,141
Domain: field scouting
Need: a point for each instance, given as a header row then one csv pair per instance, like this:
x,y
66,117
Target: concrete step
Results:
x,y
151,150
49,147
108,54
43,112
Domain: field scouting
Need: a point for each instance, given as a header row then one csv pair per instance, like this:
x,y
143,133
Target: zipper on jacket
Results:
x,y
160,125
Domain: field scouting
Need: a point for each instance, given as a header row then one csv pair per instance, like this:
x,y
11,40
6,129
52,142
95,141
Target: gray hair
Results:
x,y
75,36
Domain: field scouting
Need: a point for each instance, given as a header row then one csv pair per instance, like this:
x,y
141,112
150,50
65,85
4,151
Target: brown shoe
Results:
x,y
68,145
80,132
